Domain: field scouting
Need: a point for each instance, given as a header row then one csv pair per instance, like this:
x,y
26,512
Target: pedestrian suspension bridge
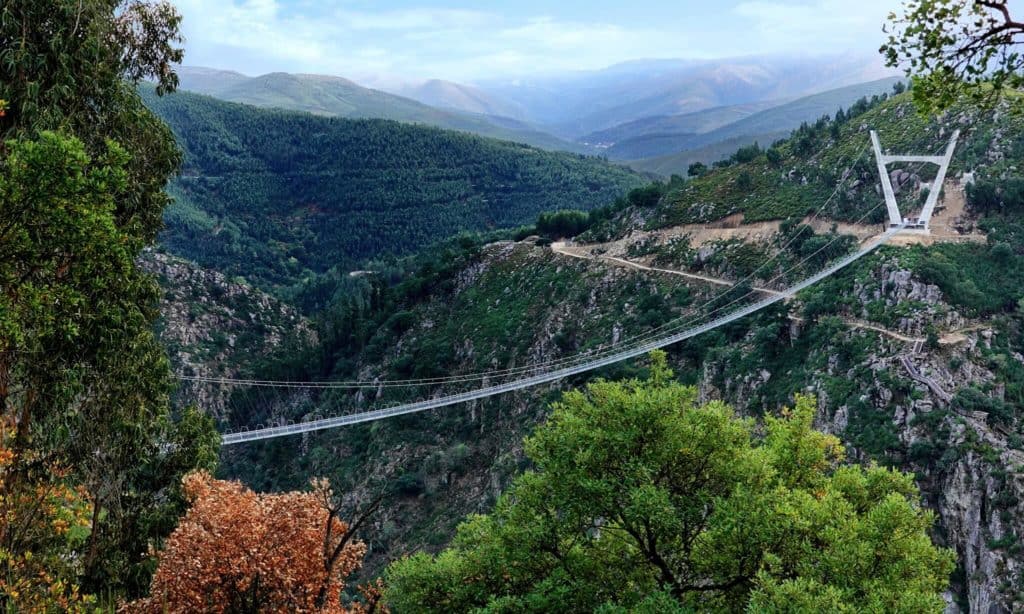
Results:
x,y
495,382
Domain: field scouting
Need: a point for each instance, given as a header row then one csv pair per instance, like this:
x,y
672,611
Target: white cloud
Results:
x,y
836,23
358,40
414,19
261,35
546,32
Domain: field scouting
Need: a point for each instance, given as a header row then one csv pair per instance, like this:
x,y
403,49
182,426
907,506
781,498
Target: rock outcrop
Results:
x,y
213,326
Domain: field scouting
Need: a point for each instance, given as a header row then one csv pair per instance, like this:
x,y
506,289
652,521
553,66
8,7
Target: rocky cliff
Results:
x,y
213,326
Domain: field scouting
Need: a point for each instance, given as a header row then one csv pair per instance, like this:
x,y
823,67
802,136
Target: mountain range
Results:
x,y
339,97
642,110
666,153
577,104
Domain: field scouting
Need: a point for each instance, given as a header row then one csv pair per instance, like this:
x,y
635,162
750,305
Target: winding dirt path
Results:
x,y
572,251
563,248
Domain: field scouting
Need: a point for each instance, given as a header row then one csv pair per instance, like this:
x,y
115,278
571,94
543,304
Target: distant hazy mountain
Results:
x,y
460,97
582,103
764,127
210,81
685,123
684,132
335,96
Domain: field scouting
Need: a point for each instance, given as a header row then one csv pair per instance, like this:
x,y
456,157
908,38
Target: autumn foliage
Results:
x,y
236,550
41,518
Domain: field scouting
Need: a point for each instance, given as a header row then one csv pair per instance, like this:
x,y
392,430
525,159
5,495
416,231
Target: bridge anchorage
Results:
x,y
918,225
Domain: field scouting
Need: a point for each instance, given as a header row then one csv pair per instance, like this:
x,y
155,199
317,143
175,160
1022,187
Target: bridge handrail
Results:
x,y
542,378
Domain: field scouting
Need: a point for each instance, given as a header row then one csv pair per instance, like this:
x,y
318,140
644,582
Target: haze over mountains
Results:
x,y
336,96
640,110
665,152
577,104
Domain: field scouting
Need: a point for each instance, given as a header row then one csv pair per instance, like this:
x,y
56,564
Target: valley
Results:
x,y
848,340
439,307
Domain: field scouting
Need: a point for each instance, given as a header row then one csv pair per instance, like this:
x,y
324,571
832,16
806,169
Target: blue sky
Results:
x,y
466,41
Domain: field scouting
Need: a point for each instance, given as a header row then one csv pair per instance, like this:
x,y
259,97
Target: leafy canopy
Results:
x,y
643,499
83,382
953,48
239,551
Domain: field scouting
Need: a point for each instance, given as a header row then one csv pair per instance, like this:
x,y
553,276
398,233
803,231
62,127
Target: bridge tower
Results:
x,y
919,224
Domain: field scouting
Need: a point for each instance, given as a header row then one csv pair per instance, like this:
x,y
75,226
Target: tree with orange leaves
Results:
x,y
42,519
239,551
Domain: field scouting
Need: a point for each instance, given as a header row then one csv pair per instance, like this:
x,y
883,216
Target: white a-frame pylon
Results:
x,y
895,218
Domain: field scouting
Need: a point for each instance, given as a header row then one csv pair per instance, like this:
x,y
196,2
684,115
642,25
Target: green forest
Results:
x,y
275,196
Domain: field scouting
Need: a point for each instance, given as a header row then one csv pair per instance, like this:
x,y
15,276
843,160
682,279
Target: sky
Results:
x,y
469,41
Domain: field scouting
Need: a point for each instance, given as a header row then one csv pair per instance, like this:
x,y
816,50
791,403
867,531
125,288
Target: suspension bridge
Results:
x,y
667,334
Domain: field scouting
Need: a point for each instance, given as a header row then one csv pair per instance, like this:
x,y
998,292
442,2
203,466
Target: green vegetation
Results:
x,y
634,496
90,454
517,302
797,175
563,223
956,48
981,279
278,196
643,500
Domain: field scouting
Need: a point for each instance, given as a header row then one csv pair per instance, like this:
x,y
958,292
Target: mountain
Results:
x,y
335,96
697,122
460,97
581,103
649,151
277,195
913,352
211,81
674,134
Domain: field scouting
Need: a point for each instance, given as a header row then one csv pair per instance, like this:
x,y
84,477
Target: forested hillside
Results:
x,y
338,97
275,196
520,302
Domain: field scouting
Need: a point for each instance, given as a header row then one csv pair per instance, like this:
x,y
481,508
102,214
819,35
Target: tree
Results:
x,y
697,169
643,499
83,382
566,223
40,521
744,181
953,48
238,551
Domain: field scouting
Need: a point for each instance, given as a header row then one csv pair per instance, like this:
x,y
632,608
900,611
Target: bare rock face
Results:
x,y
904,181
891,286
212,325
977,502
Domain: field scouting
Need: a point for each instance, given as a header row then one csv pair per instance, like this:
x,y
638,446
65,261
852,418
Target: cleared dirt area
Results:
x,y
584,253
946,225
946,221
948,217
731,227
